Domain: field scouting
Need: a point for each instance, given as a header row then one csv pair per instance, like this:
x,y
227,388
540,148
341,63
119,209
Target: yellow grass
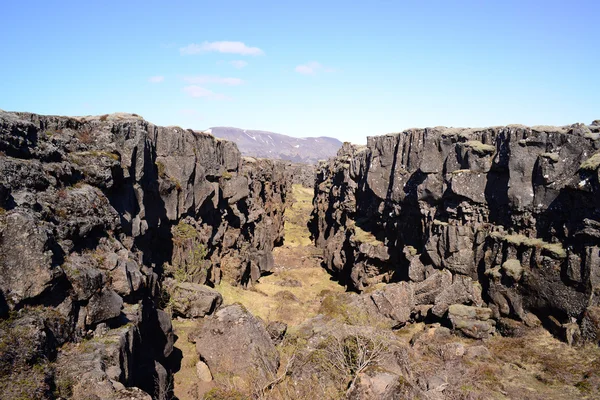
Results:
x,y
271,301
187,386
297,215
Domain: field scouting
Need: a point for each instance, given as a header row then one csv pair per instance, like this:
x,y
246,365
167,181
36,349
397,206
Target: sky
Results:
x,y
345,69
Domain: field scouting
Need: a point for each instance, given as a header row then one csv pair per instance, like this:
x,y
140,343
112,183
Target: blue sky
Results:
x,y
311,68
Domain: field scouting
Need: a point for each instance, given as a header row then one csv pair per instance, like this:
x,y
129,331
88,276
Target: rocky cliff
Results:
x,y
502,221
95,212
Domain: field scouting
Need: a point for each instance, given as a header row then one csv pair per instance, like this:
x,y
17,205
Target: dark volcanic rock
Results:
x,y
513,209
96,211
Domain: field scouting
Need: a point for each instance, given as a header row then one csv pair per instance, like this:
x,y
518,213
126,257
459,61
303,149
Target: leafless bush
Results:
x,y
353,354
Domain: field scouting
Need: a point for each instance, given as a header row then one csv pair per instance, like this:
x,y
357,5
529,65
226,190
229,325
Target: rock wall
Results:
x,y
514,210
302,174
94,213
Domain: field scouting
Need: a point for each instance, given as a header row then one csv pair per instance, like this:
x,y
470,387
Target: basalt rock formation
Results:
x,y
481,227
95,212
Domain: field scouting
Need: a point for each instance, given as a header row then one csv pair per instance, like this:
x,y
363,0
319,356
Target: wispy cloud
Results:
x,y
204,79
221,47
239,64
312,68
156,79
198,91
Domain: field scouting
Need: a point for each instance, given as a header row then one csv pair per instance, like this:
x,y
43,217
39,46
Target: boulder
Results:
x,y
192,300
233,341
395,301
102,306
473,322
26,269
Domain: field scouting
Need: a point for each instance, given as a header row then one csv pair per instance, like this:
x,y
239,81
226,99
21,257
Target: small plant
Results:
x,y
352,354
85,136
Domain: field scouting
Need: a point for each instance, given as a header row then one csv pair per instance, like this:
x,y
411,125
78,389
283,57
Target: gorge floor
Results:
x,y
292,293
534,365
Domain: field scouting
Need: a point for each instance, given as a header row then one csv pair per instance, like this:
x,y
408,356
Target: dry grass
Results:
x,y
271,301
555,248
297,216
542,365
187,385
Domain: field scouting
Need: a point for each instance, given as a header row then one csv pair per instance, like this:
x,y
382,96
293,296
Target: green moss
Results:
x,y
161,169
226,175
77,157
550,156
480,148
555,249
591,163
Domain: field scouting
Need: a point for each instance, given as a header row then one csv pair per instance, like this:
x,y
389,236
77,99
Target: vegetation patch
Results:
x,y
550,156
480,148
297,216
592,163
555,249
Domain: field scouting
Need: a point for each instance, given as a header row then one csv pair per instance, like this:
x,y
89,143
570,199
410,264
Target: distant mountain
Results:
x,y
265,144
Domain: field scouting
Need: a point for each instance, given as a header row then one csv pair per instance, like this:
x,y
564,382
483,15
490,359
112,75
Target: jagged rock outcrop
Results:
x,y
94,213
302,174
513,208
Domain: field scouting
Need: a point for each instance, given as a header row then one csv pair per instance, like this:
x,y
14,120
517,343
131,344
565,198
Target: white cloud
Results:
x,y
221,47
198,91
312,68
239,64
156,79
203,79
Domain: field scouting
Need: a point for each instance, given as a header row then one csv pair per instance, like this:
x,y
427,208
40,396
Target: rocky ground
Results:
x,y
145,262
327,343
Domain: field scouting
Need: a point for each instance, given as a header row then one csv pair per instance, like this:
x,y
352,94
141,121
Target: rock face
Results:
x,y
95,212
302,174
512,210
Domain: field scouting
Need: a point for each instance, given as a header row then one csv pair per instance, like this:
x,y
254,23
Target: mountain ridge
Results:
x,y
266,144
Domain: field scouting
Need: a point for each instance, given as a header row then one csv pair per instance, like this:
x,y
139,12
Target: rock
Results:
x,y
477,352
103,306
427,290
395,301
473,322
85,279
461,291
203,372
233,341
590,326
467,200
191,300
26,268
513,269
276,331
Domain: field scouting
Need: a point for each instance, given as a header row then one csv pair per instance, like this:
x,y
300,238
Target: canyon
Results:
x,y
146,262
